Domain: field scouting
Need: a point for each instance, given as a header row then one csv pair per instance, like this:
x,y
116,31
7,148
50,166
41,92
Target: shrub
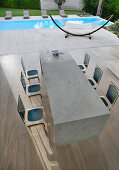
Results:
x,y
90,6
115,26
108,7
21,4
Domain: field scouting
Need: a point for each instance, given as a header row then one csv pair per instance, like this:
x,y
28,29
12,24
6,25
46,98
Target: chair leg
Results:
x,y
66,35
90,37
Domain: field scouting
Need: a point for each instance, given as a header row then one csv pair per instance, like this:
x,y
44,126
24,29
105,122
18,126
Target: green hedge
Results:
x,y
115,26
21,4
109,7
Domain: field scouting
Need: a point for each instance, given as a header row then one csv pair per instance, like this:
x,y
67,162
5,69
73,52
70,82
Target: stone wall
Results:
x,y
68,5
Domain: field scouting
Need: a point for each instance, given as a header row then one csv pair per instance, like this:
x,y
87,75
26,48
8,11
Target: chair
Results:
x,y
96,77
8,15
32,116
44,14
83,14
26,14
84,66
30,74
21,108
62,14
33,90
111,95
30,90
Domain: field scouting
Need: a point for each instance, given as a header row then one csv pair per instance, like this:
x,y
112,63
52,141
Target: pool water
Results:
x,y
27,24
45,23
87,20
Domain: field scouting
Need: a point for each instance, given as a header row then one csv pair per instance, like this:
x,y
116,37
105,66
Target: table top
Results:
x,y
70,94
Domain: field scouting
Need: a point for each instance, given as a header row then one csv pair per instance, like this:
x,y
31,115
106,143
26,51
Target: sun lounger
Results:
x,y
8,15
26,14
62,14
44,14
84,14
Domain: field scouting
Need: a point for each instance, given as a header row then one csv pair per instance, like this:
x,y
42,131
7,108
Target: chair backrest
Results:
x,y
8,13
23,66
43,12
26,13
21,108
62,11
97,74
112,93
22,79
86,59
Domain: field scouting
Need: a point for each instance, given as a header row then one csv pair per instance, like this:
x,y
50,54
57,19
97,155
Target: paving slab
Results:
x,y
113,66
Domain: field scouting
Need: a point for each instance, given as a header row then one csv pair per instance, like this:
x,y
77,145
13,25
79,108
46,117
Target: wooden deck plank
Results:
x,y
17,150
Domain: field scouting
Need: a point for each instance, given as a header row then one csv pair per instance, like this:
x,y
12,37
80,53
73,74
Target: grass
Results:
x,y
19,12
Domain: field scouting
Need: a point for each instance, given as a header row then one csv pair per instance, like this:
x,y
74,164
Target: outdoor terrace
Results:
x,y
99,154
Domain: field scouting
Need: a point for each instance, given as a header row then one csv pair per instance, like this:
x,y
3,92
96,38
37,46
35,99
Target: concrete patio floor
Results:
x,y
20,41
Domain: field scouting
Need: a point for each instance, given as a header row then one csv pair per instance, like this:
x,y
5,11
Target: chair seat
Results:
x,y
104,101
91,82
45,16
8,17
34,88
35,114
81,67
32,72
64,16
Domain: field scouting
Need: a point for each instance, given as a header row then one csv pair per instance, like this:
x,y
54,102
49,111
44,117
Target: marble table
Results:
x,y
78,112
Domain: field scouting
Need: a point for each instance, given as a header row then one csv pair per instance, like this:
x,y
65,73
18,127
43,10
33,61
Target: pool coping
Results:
x,y
36,17
40,17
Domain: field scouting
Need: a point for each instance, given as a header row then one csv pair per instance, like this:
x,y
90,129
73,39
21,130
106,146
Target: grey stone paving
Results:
x,y
19,41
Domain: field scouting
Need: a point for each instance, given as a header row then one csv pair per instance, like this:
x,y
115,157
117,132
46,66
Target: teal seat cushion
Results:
x,y
91,82
81,67
34,88
32,72
35,114
104,101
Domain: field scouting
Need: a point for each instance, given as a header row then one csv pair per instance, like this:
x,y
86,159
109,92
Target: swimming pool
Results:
x,y
46,23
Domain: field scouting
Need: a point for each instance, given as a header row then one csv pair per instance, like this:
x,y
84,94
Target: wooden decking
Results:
x,y
17,150
16,147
